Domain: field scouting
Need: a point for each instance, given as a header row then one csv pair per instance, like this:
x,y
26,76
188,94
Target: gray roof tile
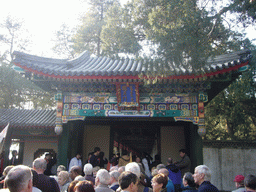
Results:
x,y
85,65
24,118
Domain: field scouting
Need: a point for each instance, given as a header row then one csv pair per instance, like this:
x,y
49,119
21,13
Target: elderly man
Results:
x,y
45,183
74,172
114,175
102,180
19,179
202,177
170,185
250,183
135,168
89,173
128,182
239,182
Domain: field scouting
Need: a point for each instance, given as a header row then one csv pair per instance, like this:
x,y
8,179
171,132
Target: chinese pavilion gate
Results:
x,y
103,102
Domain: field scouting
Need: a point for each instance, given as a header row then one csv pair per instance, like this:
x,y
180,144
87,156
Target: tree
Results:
x,y
184,33
11,38
231,114
16,91
64,44
88,36
118,34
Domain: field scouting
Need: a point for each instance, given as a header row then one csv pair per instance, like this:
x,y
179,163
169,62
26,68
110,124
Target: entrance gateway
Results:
x,y
119,104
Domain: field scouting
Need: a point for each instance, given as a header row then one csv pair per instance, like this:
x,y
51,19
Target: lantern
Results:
x,y
201,131
58,129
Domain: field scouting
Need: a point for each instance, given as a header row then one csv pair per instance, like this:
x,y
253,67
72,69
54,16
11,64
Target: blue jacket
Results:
x,y
174,174
170,186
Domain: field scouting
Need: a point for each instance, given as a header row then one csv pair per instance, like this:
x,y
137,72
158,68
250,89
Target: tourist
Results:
x,y
61,168
19,179
202,177
114,175
146,163
88,172
76,161
128,182
94,160
156,162
14,160
35,181
51,161
74,172
84,186
103,160
45,183
5,172
102,181
63,180
188,183
159,183
185,163
95,170
174,174
124,160
239,182
121,169
250,183
170,185
71,187
134,168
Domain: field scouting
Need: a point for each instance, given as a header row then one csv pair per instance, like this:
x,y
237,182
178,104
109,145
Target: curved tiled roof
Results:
x,y
86,66
25,118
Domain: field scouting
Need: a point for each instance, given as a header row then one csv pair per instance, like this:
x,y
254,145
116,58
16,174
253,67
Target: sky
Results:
x,y
42,19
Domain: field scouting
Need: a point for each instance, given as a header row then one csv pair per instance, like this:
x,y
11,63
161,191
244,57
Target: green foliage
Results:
x,y
183,33
88,36
15,90
231,114
18,92
64,44
118,35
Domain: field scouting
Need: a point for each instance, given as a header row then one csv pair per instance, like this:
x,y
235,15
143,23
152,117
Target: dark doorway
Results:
x,y
139,137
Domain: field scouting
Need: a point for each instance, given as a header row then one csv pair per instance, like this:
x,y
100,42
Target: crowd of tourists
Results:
x,y
122,174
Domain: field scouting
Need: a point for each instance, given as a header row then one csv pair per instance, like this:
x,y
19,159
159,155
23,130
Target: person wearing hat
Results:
x,y
239,182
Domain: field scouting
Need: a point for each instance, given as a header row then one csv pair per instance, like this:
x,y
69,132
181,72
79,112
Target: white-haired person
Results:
x,y
202,177
135,168
114,175
44,183
102,181
19,179
63,180
88,173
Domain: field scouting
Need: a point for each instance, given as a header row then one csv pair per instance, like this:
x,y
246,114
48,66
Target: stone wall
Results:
x,y
228,159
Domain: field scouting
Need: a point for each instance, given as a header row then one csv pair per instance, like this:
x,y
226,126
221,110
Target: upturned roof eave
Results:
x,y
134,75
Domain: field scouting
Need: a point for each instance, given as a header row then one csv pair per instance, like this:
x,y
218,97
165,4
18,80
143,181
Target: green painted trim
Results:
x,y
7,145
63,146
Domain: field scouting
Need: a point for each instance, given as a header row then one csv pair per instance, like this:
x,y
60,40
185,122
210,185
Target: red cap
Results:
x,y
239,178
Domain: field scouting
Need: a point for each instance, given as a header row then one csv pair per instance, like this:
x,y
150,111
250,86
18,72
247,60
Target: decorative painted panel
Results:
x,y
151,105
